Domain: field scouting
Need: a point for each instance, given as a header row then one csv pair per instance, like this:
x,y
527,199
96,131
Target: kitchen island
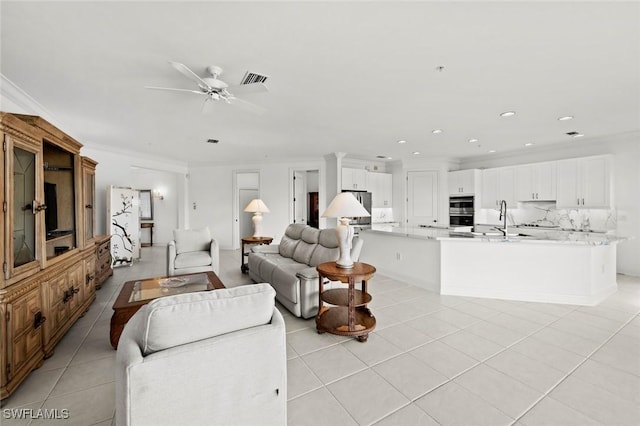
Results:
x,y
555,266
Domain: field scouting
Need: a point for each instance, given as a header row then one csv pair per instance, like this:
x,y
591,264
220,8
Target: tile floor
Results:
x,y
431,360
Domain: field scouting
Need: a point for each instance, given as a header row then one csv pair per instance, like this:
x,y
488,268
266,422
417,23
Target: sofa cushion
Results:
x,y
322,254
176,320
310,235
295,230
192,240
191,259
303,252
287,246
328,238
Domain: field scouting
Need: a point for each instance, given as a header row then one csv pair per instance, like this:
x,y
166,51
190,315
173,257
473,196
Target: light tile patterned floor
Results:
x,y
431,360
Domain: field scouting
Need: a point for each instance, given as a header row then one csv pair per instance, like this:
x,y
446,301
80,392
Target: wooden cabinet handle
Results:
x,y
38,320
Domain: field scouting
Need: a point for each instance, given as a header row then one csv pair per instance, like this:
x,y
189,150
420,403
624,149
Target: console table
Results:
x,y
250,241
349,316
149,226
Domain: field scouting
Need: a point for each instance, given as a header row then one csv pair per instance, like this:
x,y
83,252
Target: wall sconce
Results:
x,y
158,194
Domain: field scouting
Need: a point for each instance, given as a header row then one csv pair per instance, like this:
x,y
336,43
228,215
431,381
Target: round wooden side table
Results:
x,y
244,267
348,315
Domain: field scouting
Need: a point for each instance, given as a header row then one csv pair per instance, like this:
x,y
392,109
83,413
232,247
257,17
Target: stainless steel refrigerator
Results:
x,y
365,199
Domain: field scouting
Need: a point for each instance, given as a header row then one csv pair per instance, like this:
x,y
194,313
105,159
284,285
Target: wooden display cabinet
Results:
x,y
103,260
47,244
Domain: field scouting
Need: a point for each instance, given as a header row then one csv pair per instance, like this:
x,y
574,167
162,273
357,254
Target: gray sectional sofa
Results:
x,y
290,267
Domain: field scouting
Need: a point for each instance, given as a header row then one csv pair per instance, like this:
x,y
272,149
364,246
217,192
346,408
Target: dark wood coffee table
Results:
x,y
135,294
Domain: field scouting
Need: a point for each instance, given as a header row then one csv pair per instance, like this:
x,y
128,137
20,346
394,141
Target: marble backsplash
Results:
x,y
546,214
381,215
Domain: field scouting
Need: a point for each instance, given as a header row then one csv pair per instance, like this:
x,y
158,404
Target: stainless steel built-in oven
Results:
x,y
461,211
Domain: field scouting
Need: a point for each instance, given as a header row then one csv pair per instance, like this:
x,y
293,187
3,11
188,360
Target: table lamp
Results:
x,y
257,207
344,206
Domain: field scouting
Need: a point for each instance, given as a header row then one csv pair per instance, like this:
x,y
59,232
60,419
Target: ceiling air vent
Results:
x,y
572,133
252,77
212,141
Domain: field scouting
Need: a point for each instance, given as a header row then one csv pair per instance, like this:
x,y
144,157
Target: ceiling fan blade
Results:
x,y
198,92
248,106
243,89
182,68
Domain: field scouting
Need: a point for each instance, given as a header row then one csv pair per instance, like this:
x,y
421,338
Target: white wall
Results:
x,y
165,211
211,188
122,169
626,186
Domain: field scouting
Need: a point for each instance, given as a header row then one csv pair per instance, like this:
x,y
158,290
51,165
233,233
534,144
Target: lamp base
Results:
x,y
257,224
344,234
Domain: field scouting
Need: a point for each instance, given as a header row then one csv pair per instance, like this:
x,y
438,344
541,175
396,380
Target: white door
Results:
x,y
422,198
299,197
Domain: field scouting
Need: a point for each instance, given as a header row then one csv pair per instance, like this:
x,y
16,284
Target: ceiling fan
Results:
x,y
215,89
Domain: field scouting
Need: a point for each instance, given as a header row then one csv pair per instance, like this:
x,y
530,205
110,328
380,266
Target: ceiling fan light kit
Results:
x,y
215,89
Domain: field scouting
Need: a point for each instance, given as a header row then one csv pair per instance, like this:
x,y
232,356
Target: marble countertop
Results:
x,y
517,234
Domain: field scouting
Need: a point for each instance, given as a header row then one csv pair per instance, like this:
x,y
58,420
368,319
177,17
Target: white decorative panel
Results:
x,y
123,212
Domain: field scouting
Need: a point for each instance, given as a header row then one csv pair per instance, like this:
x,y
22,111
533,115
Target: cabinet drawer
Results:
x,y
104,266
104,248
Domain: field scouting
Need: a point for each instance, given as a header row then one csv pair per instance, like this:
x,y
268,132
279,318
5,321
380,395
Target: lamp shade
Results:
x,y
256,205
345,205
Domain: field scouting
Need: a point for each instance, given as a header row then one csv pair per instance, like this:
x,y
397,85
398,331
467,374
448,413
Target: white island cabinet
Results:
x,y
576,268
534,271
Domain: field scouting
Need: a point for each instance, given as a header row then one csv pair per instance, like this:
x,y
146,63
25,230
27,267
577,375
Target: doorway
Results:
x,y
422,198
304,197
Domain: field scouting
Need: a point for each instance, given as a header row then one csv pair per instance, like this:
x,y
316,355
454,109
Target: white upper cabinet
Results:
x,y
584,182
381,187
354,179
536,182
498,184
464,182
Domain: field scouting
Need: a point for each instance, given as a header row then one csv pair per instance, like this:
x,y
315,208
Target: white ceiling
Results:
x,y
344,76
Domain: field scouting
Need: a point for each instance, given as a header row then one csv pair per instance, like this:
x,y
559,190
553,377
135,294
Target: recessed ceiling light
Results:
x,y
579,135
416,152
491,151
383,157
212,141
473,140
436,131
575,134
565,118
529,144
402,141
508,114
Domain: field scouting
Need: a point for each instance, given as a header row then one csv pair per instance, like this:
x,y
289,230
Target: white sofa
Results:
x,y
215,357
191,251
290,267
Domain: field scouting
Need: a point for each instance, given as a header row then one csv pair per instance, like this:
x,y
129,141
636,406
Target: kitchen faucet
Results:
x,y
503,215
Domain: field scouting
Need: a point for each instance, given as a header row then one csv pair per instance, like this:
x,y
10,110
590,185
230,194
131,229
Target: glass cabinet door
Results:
x,y
89,201
24,217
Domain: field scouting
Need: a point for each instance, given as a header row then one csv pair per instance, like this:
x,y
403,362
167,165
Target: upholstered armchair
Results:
x,y
208,358
191,251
